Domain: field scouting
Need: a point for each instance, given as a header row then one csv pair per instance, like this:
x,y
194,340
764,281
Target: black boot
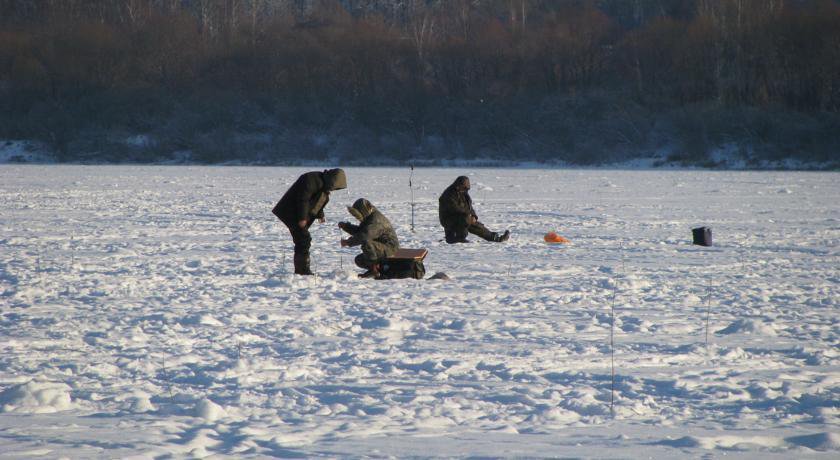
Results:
x,y
373,272
457,240
456,235
302,264
501,238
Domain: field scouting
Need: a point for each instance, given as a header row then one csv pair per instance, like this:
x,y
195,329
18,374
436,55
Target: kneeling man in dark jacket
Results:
x,y
374,234
458,217
302,204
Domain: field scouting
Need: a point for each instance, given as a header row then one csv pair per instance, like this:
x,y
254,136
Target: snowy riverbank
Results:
x,y
150,311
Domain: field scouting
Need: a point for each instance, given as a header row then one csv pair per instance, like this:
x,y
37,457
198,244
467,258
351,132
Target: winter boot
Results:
x,y
302,264
373,272
501,238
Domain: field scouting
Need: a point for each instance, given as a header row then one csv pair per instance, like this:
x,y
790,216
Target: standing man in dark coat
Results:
x,y
302,204
374,234
458,216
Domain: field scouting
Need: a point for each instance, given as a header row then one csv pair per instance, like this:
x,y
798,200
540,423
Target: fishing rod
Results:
x,y
411,186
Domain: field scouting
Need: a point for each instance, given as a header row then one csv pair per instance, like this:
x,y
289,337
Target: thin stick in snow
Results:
x,y
340,248
411,187
612,351
621,250
39,268
708,311
166,379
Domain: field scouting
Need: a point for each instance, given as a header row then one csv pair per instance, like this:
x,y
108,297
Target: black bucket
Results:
x,y
702,236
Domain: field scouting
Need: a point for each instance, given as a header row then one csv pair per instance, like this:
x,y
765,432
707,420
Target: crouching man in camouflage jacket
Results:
x,y
374,234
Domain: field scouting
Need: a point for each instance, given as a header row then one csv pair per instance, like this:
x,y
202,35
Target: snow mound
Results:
x,y
208,410
685,442
36,398
818,441
729,443
560,416
748,326
201,319
142,404
273,282
584,403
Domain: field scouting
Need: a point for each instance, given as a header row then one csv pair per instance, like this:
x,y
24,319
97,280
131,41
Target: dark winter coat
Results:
x,y
306,198
373,226
455,205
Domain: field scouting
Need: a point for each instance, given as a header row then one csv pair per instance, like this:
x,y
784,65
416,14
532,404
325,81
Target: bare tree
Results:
x,y
422,28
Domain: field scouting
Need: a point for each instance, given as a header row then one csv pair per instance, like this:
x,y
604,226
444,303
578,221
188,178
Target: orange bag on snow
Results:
x,y
554,238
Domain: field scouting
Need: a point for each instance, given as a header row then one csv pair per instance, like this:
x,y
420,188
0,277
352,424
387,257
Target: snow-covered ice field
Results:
x,y
150,312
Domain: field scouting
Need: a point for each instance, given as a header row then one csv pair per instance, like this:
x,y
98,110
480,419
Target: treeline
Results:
x,y
280,80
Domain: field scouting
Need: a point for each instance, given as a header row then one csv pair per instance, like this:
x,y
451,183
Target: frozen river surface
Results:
x,y
150,312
